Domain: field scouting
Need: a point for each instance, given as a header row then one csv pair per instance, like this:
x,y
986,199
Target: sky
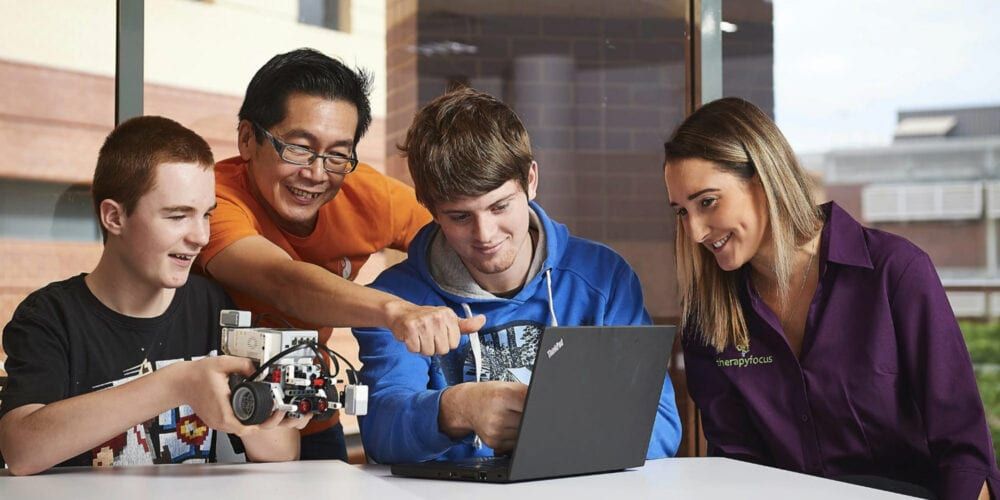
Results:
x,y
842,68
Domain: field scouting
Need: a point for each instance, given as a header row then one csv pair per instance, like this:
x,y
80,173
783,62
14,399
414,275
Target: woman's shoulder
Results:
x,y
853,243
886,248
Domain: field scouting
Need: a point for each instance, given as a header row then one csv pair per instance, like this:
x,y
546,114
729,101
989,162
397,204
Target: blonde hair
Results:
x,y
741,140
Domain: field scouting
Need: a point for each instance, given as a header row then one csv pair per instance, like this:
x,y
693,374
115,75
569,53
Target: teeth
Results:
x,y
304,194
718,244
182,256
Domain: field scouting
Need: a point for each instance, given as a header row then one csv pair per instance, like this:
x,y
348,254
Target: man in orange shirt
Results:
x,y
298,216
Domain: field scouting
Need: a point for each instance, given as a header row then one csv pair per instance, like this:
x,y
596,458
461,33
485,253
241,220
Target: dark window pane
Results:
x,y
598,86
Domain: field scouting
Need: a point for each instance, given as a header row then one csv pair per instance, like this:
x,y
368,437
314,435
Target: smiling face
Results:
x,y
293,194
719,210
490,233
160,239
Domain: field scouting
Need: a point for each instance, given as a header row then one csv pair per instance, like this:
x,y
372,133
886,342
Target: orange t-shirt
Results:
x,y
371,212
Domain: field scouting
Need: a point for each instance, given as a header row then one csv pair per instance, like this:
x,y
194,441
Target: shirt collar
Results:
x,y
843,238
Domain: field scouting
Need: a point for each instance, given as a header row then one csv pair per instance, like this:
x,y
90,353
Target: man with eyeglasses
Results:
x,y
298,216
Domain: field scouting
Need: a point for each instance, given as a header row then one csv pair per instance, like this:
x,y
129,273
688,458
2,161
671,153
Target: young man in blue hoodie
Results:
x,y
492,251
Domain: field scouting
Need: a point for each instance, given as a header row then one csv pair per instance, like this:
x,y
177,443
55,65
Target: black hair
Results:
x,y
306,71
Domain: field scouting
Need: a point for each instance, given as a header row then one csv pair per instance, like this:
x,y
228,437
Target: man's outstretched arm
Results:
x,y
313,294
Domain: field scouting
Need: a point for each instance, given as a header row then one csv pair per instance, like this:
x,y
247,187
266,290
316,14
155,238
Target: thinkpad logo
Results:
x,y
555,348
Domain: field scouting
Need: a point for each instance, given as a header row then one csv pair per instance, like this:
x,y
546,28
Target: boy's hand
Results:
x,y
209,395
490,409
204,386
278,420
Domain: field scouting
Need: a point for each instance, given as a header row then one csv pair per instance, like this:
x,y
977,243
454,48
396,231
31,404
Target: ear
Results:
x,y
532,180
246,140
112,217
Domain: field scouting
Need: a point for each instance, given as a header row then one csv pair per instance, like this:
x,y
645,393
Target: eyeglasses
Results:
x,y
333,163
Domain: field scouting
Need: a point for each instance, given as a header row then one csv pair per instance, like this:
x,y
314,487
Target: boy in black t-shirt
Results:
x,y
118,367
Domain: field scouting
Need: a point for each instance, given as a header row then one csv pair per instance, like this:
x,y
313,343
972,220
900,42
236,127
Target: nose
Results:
x,y
199,234
484,229
698,228
314,171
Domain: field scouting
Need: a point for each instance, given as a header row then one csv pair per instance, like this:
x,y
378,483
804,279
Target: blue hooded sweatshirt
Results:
x,y
572,281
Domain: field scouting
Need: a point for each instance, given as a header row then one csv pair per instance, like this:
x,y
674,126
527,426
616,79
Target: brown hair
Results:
x,y
739,139
127,160
465,143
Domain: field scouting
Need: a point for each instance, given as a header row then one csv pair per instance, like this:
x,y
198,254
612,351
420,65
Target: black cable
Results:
x,y
315,347
334,353
353,378
319,354
275,358
352,373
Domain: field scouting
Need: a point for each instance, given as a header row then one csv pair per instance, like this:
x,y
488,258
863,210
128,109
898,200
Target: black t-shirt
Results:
x,y
63,342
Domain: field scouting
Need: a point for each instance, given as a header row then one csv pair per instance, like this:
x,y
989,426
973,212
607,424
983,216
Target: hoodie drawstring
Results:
x,y
477,356
477,350
552,309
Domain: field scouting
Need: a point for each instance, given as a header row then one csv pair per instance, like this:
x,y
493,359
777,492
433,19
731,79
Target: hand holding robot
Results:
x,y
290,375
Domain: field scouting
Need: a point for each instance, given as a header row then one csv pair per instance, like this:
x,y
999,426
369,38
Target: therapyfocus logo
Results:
x,y
744,360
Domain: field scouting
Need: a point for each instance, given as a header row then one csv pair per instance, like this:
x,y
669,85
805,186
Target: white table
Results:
x,y
698,478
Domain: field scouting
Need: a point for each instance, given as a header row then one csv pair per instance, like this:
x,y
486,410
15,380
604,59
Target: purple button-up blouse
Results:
x,y
884,384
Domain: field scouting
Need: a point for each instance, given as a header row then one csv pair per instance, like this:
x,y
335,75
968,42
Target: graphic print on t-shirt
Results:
x,y
508,353
175,436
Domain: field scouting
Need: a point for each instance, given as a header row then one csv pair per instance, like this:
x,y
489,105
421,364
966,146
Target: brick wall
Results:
x,y
401,81
598,94
27,265
848,196
949,243
599,88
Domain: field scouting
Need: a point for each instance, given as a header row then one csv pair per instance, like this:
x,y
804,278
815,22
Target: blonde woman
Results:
x,y
813,343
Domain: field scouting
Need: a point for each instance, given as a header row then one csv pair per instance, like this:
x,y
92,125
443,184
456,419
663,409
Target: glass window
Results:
x,y
47,211
598,86
322,13
57,69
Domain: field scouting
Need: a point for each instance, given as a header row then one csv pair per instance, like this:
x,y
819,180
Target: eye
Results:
x,y
707,202
299,148
501,208
176,217
681,212
458,217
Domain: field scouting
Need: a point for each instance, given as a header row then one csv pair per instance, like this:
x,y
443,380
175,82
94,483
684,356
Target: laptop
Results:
x,y
590,407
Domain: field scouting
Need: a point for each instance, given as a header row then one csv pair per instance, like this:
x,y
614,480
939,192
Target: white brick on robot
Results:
x,y
262,344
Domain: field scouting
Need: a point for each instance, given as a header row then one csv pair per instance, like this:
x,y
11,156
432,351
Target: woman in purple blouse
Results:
x,y
813,343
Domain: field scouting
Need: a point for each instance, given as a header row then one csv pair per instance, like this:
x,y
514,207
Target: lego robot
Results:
x,y
290,375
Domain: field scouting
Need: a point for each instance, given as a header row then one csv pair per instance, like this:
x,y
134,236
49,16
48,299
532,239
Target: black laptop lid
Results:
x,y
592,401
